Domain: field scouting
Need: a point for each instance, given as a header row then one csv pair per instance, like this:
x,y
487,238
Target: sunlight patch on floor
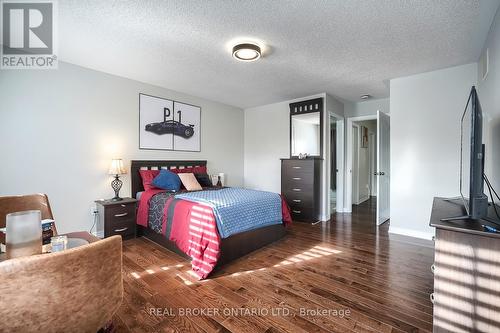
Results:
x,y
313,253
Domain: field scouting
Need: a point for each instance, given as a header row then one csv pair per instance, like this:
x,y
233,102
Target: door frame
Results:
x,y
340,124
349,154
385,218
373,163
355,128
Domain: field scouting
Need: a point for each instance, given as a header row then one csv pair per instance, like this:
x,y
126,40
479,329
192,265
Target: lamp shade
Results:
x,y
117,167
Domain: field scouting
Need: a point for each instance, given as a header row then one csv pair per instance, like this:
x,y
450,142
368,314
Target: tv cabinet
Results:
x,y
466,270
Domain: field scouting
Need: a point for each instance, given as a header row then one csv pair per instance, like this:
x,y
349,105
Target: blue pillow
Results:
x,y
167,180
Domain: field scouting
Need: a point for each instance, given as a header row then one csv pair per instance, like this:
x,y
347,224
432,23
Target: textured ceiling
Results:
x,y
344,48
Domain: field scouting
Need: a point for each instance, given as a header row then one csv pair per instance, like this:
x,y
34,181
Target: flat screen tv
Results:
x,y
472,161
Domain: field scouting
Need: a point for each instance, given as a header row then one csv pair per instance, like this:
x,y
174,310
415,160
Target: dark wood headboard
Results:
x,y
135,166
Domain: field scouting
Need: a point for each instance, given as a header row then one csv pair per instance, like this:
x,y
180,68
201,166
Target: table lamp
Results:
x,y
117,169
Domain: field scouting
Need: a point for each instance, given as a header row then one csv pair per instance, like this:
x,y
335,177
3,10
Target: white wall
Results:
x,y
425,136
60,128
489,97
333,108
267,140
306,137
367,108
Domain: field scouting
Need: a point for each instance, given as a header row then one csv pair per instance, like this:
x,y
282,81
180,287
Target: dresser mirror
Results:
x,y
306,128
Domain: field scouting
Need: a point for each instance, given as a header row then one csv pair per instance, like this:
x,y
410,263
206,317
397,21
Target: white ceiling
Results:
x,y
344,48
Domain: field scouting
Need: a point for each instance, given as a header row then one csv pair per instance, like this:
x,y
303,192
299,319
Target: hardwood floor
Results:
x,y
361,279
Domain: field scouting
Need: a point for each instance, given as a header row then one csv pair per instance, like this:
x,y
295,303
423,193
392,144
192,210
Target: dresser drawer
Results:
x,y
306,189
120,212
298,177
303,214
299,198
291,167
124,228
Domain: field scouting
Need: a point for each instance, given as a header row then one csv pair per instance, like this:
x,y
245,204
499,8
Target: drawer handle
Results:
x,y
297,167
296,189
297,178
123,205
297,200
121,215
120,230
297,211
431,296
433,269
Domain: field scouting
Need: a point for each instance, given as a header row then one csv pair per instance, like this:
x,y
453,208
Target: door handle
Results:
x,y
121,215
120,230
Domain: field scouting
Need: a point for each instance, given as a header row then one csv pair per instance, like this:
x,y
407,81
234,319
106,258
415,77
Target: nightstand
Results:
x,y
118,217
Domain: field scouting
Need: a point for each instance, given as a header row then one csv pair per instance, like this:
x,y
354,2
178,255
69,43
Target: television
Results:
x,y
472,161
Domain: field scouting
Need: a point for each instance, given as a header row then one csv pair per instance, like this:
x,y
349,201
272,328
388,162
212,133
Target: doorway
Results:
x,y
368,164
355,164
335,160
333,165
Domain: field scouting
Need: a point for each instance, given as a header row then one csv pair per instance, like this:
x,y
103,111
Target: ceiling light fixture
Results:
x,y
365,97
246,52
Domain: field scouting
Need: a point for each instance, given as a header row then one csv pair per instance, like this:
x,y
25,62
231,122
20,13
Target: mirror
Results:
x,y
306,134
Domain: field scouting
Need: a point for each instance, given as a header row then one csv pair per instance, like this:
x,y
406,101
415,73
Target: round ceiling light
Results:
x,y
246,52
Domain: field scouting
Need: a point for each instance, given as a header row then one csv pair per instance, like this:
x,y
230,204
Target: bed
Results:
x,y
230,247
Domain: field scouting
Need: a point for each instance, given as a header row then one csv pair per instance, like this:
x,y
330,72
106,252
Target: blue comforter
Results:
x,y
237,210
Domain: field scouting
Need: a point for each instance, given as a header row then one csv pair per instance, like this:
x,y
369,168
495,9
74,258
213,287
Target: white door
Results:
x,y
355,165
340,166
383,172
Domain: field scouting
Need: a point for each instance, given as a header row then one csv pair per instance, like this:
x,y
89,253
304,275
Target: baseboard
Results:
x,y
363,199
324,218
411,233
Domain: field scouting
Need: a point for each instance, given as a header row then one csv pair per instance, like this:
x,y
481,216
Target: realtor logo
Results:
x,y
28,34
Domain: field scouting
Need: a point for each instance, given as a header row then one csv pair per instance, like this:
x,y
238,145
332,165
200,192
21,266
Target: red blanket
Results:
x,y
193,229
143,210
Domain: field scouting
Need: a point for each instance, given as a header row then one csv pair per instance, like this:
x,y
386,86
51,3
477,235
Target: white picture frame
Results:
x,y
168,125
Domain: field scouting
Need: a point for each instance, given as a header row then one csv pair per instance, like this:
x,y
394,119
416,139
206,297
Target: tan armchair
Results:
x,y
77,290
18,203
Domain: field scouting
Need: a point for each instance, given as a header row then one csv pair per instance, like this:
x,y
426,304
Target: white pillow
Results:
x,y
189,181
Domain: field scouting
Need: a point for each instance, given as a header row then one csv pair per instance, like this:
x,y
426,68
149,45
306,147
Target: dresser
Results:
x,y
466,272
300,186
118,217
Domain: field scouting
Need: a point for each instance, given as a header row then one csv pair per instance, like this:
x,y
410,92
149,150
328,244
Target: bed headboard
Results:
x,y
135,166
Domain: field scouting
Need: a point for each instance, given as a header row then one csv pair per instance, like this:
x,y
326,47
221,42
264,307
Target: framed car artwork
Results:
x,y
168,125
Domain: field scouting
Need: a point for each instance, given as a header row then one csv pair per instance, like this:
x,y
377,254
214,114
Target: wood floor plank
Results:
x,y
347,263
